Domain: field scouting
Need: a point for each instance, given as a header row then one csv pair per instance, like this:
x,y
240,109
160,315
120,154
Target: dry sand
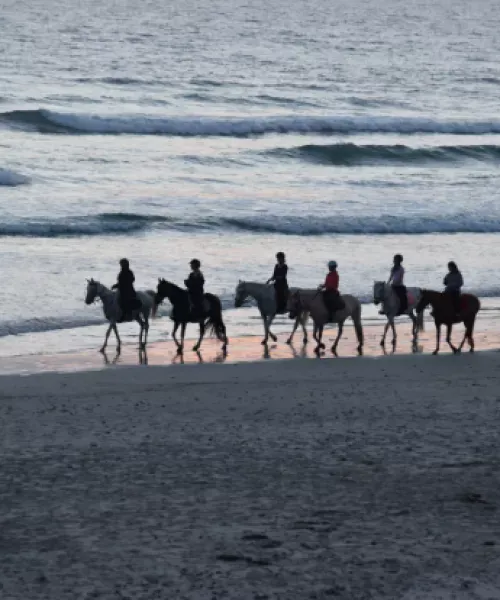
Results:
x,y
353,478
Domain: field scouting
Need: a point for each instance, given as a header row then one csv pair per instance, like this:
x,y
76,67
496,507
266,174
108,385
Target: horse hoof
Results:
x,y
289,341
322,346
264,342
102,350
456,351
305,341
435,353
274,338
471,350
382,343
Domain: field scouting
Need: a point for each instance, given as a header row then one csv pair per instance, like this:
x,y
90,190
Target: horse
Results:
x,y
113,312
443,312
311,301
182,314
383,293
265,296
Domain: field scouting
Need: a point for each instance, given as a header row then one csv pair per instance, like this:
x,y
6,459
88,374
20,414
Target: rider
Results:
x,y
453,282
396,279
194,284
280,282
331,289
125,285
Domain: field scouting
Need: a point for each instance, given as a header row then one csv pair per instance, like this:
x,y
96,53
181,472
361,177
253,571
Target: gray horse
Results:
x,y
112,311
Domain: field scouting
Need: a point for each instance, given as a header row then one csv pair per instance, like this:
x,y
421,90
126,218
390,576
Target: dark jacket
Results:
x,y
195,283
453,281
279,276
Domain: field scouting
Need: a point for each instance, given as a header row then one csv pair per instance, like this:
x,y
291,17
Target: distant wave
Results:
x,y
48,121
354,154
45,324
12,179
131,223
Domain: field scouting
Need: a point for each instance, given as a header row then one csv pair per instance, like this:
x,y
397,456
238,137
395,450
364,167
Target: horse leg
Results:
x,y
318,337
106,338
339,335
394,335
146,330
469,327
141,325
438,338
295,325
183,333
118,340
448,338
304,330
386,329
174,337
414,328
271,334
196,347
266,330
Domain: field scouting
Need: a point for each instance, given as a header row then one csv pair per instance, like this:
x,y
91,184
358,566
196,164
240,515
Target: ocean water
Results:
x,y
228,131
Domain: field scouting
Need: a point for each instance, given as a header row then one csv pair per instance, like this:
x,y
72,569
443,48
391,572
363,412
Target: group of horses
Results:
x,y
301,304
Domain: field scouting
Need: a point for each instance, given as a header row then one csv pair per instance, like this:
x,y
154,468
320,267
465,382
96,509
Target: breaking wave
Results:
x,y
49,121
370,154
131,223
12,179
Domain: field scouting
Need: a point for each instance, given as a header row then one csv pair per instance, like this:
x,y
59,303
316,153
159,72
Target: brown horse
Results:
x,y
444,314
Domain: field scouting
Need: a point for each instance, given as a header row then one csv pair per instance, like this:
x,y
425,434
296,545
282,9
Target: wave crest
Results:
x,y
373,154
48,121
132,223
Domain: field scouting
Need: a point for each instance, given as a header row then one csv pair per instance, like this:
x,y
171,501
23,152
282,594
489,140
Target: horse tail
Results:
x,y
420,321
154,308
358,326
215,322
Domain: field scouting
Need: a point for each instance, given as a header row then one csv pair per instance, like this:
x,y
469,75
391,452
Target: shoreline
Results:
x,y
247,349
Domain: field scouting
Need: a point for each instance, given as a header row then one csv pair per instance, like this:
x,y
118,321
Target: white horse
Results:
x,y
112,311
265,296
311,301
385,295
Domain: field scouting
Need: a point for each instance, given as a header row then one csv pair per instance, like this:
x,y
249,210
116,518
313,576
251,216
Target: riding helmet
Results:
x,y
124,264
398,258
332,264
195,263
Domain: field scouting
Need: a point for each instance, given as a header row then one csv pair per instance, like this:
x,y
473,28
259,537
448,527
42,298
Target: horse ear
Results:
x,y
159,279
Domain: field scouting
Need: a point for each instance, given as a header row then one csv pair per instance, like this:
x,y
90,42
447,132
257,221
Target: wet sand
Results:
x,y
250,349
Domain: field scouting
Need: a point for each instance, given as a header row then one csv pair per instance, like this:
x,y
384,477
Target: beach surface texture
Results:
x,y
354,478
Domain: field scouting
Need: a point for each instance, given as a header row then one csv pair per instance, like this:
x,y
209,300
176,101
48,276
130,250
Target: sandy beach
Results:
x,y
291,479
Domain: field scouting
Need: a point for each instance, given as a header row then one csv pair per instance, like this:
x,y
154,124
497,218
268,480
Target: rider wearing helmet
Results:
x,y
194,284
396,279
331,289
280,282
453,282
125,285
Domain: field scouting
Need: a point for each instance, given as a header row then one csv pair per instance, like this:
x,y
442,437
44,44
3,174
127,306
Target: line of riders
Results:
x,y
453,282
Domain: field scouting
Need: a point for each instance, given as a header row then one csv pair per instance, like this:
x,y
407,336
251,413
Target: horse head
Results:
x,y
92,291
241,294
162,291
378,292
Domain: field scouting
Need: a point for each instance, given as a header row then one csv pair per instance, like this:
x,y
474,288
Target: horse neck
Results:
x,y
174,293
431,297
104,293
257,290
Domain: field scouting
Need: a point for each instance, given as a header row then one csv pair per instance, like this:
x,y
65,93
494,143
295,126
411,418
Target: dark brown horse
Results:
x,y
443,312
